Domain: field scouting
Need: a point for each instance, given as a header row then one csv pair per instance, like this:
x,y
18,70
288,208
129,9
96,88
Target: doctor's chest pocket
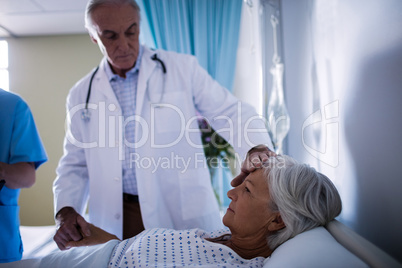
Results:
x,y
167,113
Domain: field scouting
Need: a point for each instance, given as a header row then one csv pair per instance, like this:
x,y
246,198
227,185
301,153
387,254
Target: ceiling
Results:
x,y
20,18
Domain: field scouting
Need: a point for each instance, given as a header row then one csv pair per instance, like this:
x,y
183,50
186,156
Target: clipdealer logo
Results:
x,y
104,127
320,134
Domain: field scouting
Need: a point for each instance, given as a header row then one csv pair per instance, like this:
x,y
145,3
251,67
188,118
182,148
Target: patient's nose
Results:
x,y
232,194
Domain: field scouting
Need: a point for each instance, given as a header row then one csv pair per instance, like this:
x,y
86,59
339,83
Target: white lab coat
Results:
x,y
170,194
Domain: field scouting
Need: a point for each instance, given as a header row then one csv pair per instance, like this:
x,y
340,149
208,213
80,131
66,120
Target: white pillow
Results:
x,y
314,248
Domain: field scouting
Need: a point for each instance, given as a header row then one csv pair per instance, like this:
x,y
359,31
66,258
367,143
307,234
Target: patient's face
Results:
x,y
249,211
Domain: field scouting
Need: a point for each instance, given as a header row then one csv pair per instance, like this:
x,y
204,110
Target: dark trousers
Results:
x,y
132,220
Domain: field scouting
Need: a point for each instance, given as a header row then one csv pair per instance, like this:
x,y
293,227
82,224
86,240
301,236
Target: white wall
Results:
x,y
343,77
42,70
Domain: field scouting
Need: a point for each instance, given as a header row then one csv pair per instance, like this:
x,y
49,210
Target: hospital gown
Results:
x,y
169,248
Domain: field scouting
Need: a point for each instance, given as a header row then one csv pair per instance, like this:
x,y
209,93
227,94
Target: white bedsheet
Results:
x,y
83,257
38,241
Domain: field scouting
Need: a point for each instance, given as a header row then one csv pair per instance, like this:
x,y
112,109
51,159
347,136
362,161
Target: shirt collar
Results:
x,y
112,76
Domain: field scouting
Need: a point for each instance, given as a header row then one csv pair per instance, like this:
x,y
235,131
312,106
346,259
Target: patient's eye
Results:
x,y
246,189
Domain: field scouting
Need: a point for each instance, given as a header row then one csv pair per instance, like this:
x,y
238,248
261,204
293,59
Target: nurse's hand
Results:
x,y
98,236
255,158
71,226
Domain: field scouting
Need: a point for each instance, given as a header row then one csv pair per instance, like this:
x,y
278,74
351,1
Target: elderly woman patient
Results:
x,y
273,204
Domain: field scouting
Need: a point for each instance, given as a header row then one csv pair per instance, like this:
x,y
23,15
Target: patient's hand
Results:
x,y
255,158
71,227
98,236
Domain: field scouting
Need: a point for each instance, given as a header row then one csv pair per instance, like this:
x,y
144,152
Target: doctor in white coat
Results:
x,y
163,149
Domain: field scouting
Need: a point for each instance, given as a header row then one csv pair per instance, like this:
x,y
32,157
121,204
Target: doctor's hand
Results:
x,y
98,236
71,226
255,158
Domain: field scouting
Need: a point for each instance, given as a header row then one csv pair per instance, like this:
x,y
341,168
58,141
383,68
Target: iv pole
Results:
x,y
278,117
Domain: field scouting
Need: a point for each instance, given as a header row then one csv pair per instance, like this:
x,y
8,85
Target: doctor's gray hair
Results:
x,y
304,197
93,4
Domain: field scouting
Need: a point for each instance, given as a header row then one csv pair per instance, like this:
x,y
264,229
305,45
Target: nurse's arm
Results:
x,y
18,175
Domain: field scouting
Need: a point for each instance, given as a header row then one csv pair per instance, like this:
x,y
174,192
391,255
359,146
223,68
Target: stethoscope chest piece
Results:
x,y
86,115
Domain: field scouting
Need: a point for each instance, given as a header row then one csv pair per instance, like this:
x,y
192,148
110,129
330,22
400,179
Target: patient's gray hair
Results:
x,y
304,197
93,4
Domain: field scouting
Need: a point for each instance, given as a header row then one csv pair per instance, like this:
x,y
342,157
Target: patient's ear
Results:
x,y
276,223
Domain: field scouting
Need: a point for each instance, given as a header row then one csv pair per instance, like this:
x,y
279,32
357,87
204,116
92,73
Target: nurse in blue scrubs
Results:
x,y
21,153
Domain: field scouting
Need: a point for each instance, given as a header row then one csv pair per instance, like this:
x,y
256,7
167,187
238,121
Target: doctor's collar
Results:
x,y
114,77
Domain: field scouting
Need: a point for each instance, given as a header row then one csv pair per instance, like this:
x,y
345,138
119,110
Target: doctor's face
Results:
x,y
117,34
249,212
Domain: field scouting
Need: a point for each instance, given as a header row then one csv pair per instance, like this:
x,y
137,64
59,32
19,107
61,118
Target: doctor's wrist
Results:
x,y
63,213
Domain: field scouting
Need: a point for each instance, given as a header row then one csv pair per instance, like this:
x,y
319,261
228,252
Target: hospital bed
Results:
x,y
333,246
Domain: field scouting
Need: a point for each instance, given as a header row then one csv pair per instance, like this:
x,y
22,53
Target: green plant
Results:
x,y
215,146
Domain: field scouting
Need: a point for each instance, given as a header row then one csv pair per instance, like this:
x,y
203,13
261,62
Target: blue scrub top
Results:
x,y
19,142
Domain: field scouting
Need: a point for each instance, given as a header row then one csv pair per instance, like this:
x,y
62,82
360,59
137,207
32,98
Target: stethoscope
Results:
x,y
86,115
